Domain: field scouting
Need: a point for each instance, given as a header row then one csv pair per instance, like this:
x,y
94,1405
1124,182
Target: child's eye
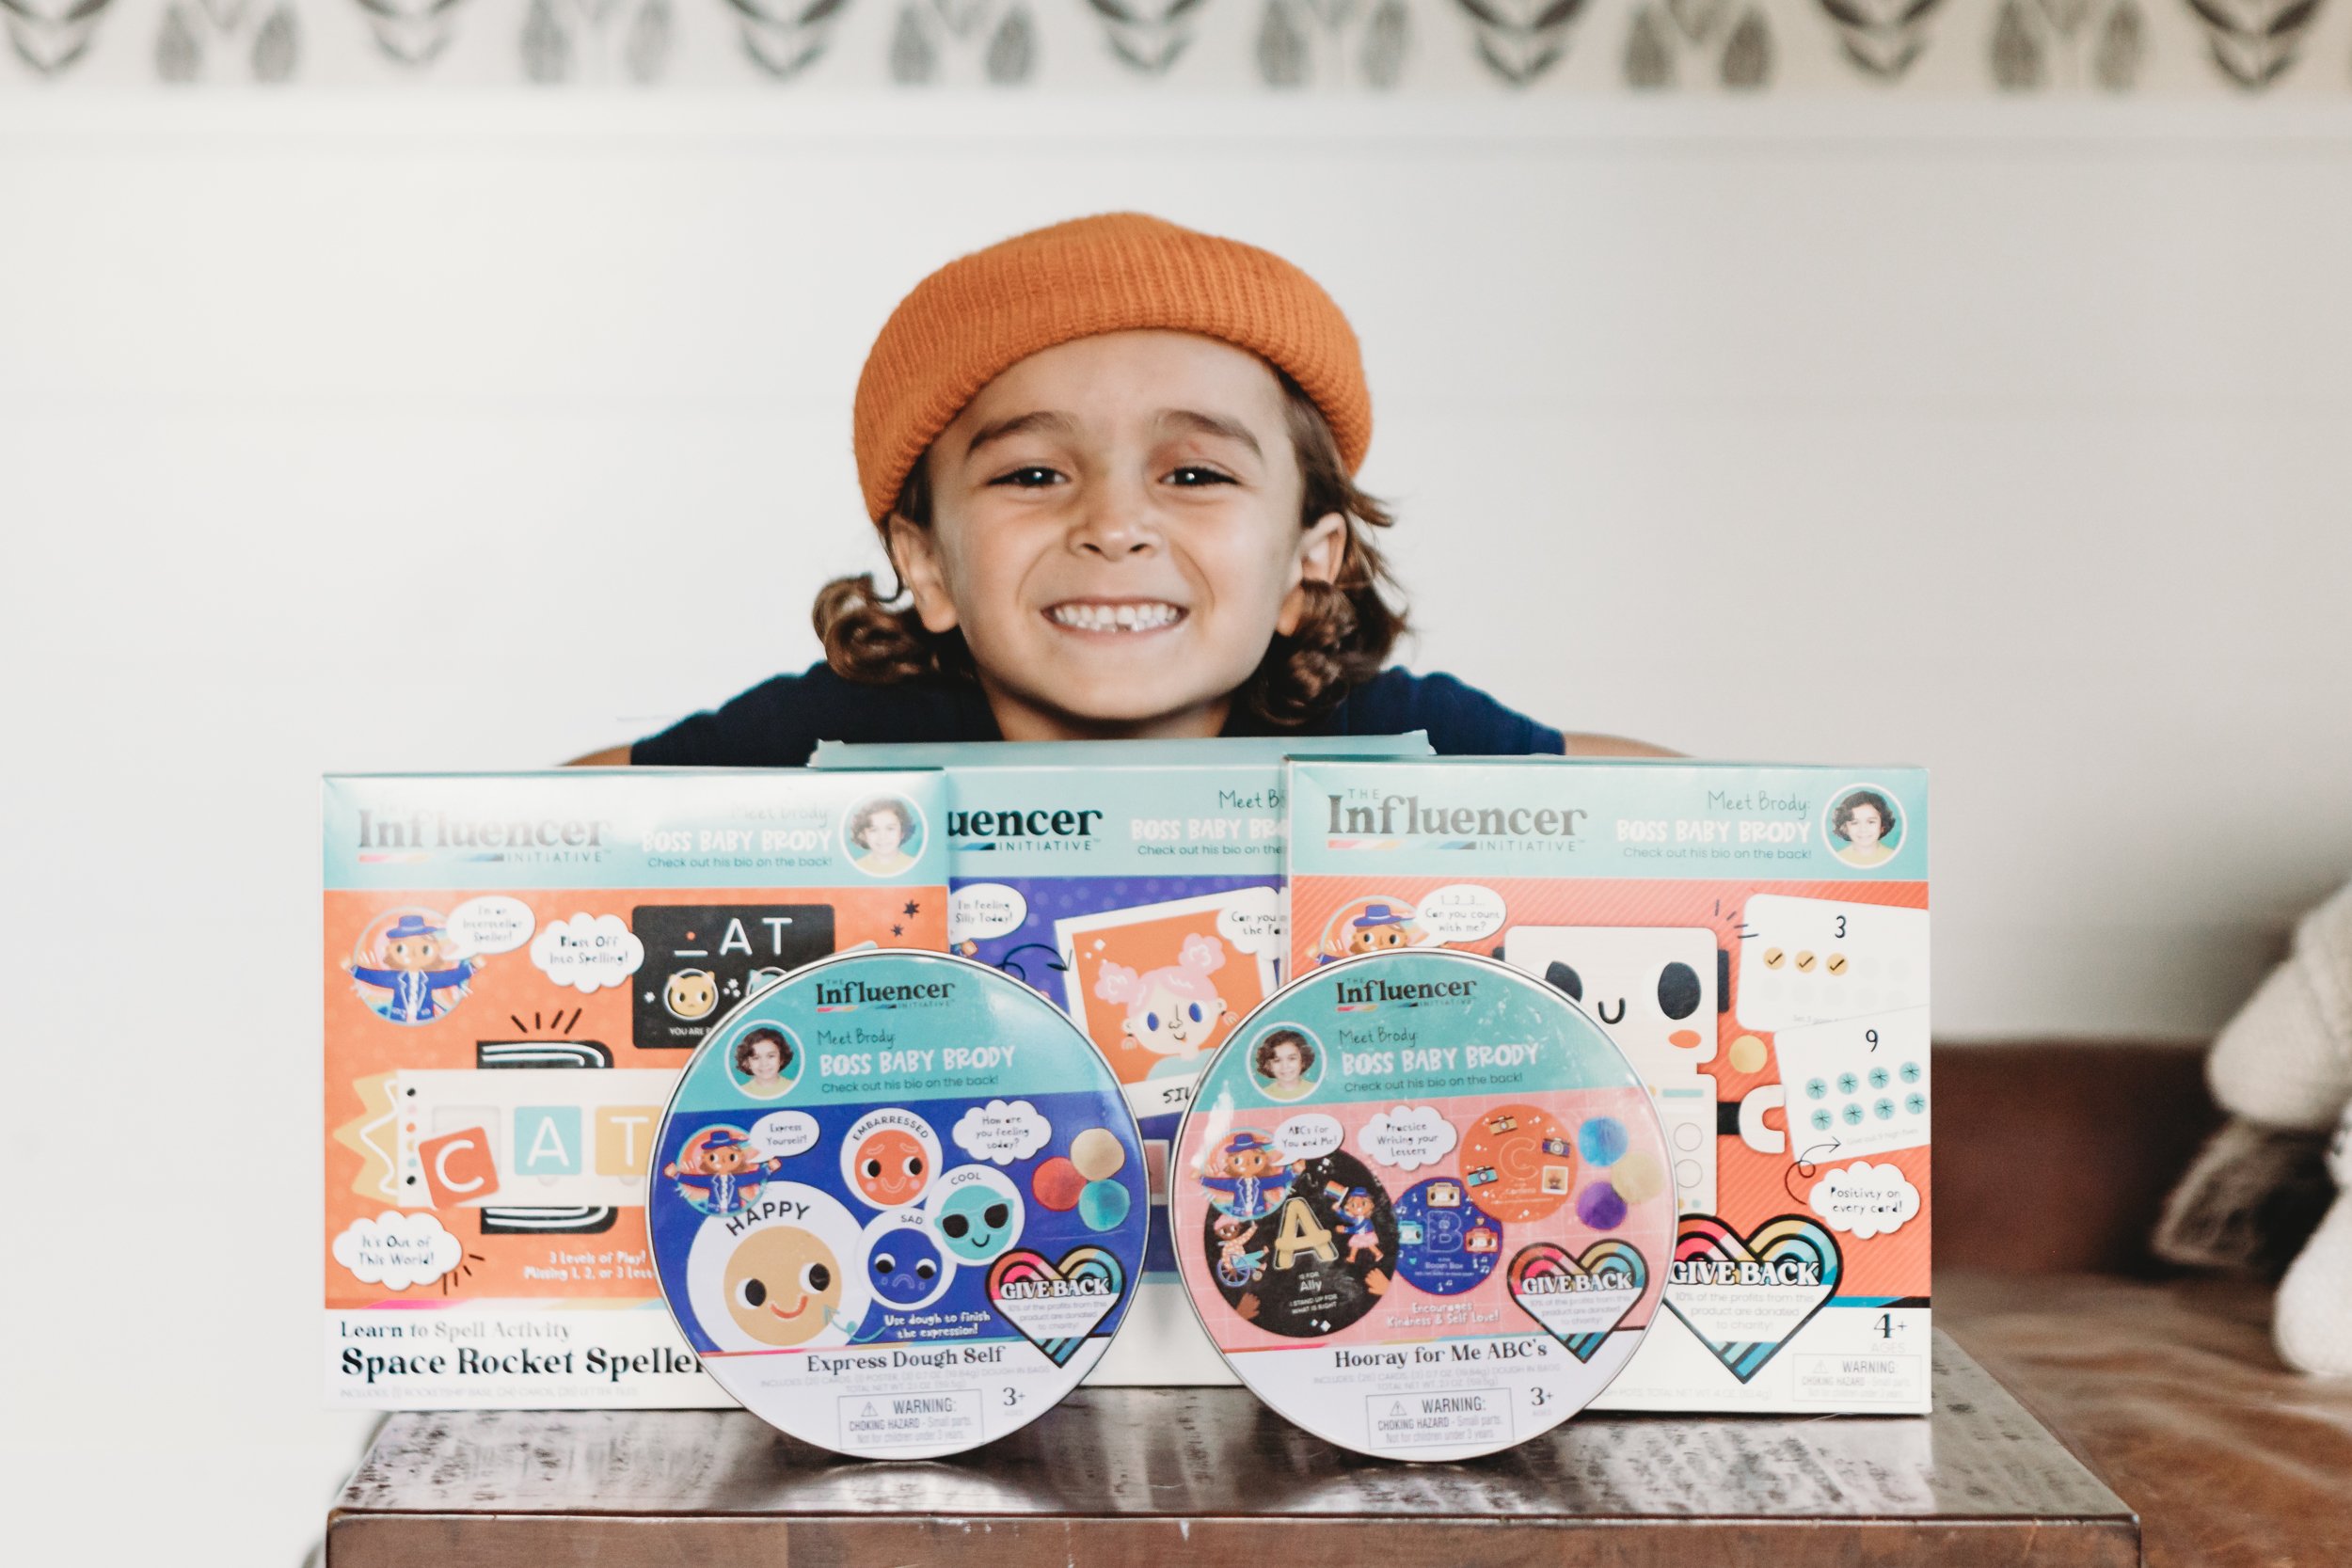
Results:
x,y
1192,476
1033,476
1196,1012
1151,1020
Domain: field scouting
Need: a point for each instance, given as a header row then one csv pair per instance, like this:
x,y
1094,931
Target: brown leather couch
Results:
x,y
2052,1161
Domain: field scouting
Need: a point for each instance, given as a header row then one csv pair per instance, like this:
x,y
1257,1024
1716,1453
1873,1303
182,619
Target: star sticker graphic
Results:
x,y
897,930
912,909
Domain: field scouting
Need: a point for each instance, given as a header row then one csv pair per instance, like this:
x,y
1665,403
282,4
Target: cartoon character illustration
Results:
x,y
1172,1011
905,1266
412,963
1382,928
1356,1211
1236,1266
977,1222
1445,1195
719,1172
890,1168
1247,1171
1860,824
783,1286
1285,1060
762,1059
690,994
1480,1239
881,828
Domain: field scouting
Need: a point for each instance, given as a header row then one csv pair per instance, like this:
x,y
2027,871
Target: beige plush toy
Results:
x,y
2284,1067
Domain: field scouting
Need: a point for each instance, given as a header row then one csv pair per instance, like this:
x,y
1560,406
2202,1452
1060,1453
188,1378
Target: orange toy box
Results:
x,y
516,969
1755,939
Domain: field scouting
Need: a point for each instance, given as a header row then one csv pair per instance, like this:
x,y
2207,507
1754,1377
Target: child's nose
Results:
x,y
1113,524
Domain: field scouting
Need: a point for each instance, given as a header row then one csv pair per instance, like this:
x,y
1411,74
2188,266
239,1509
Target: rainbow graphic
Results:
x,y
1544,1272
1790,1244
1055,1306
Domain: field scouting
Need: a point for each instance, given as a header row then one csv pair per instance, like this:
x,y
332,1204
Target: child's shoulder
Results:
x,y
778,723
1461,721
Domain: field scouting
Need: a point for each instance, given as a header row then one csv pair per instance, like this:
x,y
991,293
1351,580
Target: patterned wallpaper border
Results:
x,y
1789,48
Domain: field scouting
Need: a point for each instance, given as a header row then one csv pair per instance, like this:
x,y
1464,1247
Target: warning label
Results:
x,y
1454,1415
1857,1378
935,1417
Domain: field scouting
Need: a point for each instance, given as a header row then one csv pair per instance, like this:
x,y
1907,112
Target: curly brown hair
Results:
x,y
1263,1058
1345,634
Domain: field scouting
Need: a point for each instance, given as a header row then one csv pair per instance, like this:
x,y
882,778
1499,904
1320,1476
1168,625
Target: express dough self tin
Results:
x,y
897,1204
1421,1204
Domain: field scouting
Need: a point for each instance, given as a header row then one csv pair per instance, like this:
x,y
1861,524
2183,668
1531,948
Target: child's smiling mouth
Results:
x,y
778,1309
1114,617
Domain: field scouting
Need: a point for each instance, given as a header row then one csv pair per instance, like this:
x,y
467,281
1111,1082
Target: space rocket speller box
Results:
x,y
1754,939
516,969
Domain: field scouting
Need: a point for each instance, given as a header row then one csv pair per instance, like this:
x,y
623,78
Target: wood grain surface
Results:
x,y
1175,1476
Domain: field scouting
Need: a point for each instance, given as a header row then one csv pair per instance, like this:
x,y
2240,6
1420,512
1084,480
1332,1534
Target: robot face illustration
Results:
x,y
1652,989
782,1285
691,993
977,1222
905,1266
890,1168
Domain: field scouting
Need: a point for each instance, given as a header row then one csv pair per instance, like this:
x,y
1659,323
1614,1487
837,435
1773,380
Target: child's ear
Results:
x,y
914,555
1322,551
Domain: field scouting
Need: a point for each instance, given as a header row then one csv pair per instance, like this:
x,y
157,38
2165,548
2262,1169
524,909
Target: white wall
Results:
x,y
434,433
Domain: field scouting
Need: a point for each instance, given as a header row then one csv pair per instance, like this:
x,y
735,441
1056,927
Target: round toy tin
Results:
x,y
1421,1203
897,1204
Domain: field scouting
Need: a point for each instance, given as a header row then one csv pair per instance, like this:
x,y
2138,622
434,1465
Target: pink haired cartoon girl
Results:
x,y
1171,1012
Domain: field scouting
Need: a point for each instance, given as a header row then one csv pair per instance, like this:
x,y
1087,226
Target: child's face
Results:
x,y
1862,826
1287,1066
882,835
767,1061
411,952
1115,530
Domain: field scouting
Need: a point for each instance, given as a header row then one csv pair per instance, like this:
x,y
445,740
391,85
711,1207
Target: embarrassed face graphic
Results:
x,y
891,1168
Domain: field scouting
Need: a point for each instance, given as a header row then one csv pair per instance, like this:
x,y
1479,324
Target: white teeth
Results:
x,y
1120,617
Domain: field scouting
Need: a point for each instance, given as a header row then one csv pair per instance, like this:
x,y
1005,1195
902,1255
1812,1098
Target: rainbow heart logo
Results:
x,y
1747,1296
1579,1298
1055,1306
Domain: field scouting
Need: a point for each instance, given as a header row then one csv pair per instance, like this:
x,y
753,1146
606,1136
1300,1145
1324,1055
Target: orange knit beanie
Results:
x,y
977,317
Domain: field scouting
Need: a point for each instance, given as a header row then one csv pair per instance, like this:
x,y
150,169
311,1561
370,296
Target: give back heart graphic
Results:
x,y
1747,1296
1579,1298
1055,1306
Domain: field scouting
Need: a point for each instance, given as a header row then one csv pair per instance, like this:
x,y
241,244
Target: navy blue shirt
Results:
x,y
778,723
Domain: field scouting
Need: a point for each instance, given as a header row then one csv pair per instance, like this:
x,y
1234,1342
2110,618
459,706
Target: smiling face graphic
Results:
x,y
977,1223
782,1286
904,1267
891,1168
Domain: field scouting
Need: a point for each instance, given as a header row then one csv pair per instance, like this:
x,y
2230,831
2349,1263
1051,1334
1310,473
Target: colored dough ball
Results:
x,y
1601,1206
1103,1205
1056,1184
1747,1054
1601,1140
1097,1154
1639,1177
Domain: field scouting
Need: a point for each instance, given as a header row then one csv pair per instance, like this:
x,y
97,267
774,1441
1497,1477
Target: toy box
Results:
x,y
516,968
1137,884
1754,939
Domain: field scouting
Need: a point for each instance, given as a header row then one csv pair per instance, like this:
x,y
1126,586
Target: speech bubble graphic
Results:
x,y
1865,1200
588,953
1407,1137
491,924
1001,1132
1252,922
781,1134
1463,913
1309,1137
397,1250
985,909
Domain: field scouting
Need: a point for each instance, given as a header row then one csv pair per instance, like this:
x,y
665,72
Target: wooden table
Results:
x,y
1174,1476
